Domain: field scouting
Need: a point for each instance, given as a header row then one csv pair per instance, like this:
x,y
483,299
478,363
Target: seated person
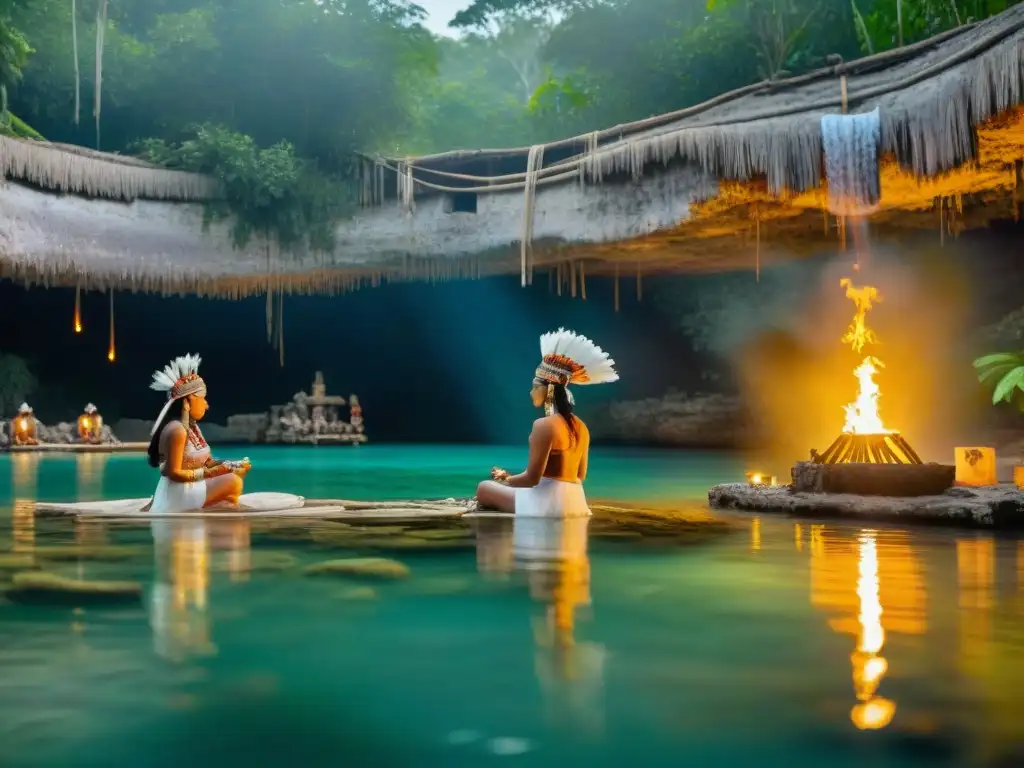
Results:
x,y
552,484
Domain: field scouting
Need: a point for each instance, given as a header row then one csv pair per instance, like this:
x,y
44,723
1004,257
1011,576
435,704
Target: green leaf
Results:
x,y
1014,379
996,371
1011,358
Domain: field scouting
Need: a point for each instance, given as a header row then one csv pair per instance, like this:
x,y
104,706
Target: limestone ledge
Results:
x,y
998,506
698,421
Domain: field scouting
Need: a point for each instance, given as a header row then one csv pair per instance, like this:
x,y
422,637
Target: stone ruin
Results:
x,y
308,419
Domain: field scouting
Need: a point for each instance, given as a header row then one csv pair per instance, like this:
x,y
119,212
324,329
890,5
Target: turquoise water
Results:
x,y
780,643
378,472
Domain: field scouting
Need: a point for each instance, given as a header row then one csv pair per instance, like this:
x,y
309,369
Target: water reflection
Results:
x,y
24,482
89,471
870,585
553,554
231,540
494,553
179,615
869,666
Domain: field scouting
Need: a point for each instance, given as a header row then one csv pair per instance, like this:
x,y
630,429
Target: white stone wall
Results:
x,y
167,241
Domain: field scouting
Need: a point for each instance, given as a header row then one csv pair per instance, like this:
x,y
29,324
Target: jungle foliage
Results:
x,y
276,97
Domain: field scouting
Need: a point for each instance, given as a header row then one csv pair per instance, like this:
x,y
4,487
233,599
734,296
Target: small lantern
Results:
x,y
761,479
89,424
24,426
975,466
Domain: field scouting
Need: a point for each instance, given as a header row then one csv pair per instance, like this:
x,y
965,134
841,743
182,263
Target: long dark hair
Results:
x,y
564,409
154,442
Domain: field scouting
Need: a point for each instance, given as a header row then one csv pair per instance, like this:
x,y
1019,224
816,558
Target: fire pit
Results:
x,y
884,448
871,471
867,458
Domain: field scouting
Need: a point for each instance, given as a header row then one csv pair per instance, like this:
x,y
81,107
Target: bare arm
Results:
x,y
173,440
540,448
584,452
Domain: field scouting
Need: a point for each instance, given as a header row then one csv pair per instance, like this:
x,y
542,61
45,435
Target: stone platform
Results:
x,y
80,448
998,506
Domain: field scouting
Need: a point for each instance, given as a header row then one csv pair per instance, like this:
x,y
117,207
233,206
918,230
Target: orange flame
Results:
x,y
78,309
862,416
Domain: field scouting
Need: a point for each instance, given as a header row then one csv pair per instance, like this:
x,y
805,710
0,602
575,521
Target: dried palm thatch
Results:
x,y
76,170
723,185
932,95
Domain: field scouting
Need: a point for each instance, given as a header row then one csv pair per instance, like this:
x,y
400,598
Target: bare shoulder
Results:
x,y
581,427
173,428
545,424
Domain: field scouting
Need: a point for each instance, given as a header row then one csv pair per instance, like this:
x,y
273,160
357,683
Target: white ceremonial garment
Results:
x,y
171,496
553,499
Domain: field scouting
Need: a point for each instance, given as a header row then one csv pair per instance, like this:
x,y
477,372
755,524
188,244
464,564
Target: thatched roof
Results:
x,y
931,96
68,169
731,183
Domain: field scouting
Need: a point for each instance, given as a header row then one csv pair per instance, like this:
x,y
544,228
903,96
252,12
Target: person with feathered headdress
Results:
x,y
552,484
190,478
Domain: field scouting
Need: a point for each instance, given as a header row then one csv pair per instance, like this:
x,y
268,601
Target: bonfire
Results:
x,y
865,438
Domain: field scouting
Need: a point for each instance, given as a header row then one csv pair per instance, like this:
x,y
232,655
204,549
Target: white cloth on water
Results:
x,y
552,499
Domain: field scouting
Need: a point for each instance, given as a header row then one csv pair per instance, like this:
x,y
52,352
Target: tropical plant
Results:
x,y
1005,371
17,382
271,192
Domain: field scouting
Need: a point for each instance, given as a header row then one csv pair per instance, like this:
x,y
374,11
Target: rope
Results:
x,y
533,162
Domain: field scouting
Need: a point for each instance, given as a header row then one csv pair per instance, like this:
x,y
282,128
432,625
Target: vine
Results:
x,y
266,191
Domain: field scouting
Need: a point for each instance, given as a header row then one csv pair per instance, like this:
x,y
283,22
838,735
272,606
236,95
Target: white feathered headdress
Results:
x,y
179,378
90,408
24,408
568,358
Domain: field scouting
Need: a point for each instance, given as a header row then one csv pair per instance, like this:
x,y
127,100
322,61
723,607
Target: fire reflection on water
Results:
x,y
853,581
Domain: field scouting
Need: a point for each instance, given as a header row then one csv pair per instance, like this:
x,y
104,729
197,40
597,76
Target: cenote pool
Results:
x,y
717,640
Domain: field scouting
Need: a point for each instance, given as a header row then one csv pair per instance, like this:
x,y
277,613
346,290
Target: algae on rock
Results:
x,y
375,568
41,587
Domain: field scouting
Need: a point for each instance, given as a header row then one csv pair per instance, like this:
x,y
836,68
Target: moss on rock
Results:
x,y
16,562
374,568
259,561
110,553
41,587
357,594
652,524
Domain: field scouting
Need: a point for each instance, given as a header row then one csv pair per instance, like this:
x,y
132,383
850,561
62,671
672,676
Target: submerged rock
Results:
x,y
110,553
40,587
376,568
440,534
357,594
647,524
16,562
258,561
